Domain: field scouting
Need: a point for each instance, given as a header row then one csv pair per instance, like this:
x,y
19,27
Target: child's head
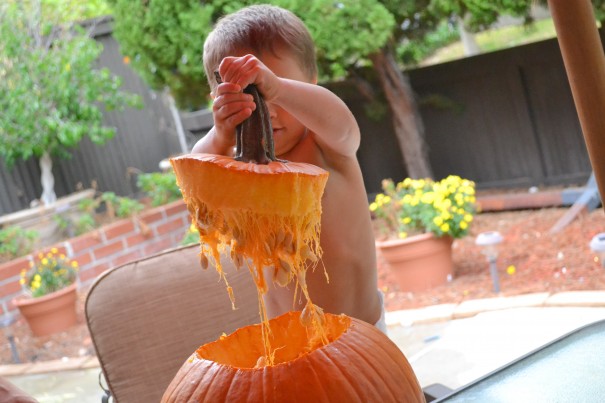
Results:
x,y
261,29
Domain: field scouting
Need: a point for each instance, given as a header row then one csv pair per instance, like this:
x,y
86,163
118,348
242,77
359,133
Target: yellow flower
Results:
x,y
74,264
62,256
403,234
428,198
463,225
406,220
438,220
445,227
22,281
44,261
37,278
373,207
511,270
468,217
54,251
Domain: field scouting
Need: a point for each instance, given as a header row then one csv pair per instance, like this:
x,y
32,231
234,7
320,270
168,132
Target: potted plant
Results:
x,y
50,292
416,222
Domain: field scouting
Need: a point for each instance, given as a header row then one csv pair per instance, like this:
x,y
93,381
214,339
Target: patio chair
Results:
x,y
147,317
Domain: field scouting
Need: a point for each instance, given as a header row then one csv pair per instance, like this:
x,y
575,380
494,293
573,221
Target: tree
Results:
x,y
166,37
51,94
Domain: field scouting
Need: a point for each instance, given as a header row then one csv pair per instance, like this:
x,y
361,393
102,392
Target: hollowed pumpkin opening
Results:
x,y
289,338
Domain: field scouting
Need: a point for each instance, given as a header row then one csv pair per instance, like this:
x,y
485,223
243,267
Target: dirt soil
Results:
x,y
542,262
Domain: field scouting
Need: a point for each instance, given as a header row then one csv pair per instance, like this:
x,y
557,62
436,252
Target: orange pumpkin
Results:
x,y
358,364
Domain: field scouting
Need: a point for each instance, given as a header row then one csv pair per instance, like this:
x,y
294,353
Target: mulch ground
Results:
x,y
530,259
542,262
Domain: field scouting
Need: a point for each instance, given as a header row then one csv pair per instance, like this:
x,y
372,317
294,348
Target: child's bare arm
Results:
x,y
317,108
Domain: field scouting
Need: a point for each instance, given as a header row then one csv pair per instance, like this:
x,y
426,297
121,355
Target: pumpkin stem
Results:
x,y
254,136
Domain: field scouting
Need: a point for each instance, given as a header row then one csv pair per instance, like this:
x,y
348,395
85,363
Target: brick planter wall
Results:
x,y
157,229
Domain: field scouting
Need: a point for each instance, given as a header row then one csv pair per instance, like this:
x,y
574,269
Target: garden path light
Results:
x,y
489,242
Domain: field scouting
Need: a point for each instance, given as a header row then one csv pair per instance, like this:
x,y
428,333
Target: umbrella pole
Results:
x,y
585,65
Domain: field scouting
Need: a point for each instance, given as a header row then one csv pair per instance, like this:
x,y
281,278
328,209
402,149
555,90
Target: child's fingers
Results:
x,y
233,109
239,70
227,88
230,118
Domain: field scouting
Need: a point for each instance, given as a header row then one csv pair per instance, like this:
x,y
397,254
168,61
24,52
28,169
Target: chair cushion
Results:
x,y
148,316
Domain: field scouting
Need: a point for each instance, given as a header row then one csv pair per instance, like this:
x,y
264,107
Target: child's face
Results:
x,y
287,130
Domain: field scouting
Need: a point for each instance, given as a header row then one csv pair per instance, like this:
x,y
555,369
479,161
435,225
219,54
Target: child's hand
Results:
x,y
246,70
230,108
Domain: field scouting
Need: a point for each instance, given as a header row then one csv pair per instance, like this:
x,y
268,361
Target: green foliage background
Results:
x,y
51,92
164,38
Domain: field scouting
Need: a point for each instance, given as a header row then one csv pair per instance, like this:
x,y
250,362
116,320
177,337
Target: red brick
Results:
x,y
83,259
129,257
158,246
86,275
11,288
152,216
172,225
93,272
136,239
100,269
10,305
13,268
119,228
84,242
107,250
175,208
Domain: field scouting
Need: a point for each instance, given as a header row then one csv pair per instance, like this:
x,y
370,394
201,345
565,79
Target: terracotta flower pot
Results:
x,y
419,262
51,313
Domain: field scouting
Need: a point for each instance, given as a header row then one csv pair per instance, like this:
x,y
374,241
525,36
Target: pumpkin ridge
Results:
x,y
396,379
328,356
375,368
203,369
182,375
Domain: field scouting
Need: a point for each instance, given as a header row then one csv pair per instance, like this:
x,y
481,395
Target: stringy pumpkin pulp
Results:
x,y
262,215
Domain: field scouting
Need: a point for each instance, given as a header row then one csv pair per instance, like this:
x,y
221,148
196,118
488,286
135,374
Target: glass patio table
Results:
x,y
568,369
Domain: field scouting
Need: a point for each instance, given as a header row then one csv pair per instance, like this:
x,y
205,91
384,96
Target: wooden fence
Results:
x,y
502,119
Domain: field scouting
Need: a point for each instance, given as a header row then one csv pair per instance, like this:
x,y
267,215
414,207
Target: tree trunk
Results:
x,y
468,40
47,179
406,120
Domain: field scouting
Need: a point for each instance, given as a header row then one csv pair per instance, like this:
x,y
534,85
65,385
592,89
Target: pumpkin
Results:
x,y
258,209
358,364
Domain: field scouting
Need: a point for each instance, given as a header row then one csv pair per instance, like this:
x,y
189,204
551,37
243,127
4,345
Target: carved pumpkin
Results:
x,y
359,364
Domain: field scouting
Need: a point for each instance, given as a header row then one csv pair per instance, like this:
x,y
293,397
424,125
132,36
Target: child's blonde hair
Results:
x,y
259,28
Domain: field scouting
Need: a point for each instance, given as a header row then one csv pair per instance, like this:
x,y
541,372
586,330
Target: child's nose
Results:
x,y
272,110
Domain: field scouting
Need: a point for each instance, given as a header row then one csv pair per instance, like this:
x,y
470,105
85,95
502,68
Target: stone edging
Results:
x,y
406,317
470,308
